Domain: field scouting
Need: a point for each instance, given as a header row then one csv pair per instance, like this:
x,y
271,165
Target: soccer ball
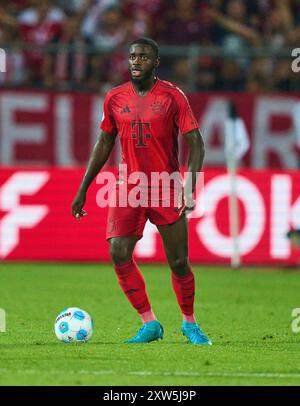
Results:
x,y
73,324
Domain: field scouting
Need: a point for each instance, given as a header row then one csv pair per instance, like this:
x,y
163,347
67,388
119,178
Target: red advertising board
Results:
x,y
36,222
50,128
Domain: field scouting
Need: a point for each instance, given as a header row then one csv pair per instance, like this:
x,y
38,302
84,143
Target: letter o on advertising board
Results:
x,y
255,217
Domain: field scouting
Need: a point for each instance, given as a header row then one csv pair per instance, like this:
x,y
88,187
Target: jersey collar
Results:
x,y
155,84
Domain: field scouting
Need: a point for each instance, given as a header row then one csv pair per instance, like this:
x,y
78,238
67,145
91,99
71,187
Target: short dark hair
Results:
x,y
147,41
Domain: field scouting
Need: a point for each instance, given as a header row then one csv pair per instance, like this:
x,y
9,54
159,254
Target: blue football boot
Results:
x,y
194,333
151,331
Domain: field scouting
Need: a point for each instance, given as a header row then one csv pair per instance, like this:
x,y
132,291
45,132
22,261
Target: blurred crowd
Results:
x,y
83,44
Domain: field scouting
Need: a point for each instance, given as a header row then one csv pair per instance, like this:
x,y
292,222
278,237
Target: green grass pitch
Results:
x,y
246,313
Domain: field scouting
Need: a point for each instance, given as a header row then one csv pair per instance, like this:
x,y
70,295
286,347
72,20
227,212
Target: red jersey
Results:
x,y
148,126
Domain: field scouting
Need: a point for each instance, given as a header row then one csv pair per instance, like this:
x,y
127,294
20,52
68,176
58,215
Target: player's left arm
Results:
x,y
195,161
189,128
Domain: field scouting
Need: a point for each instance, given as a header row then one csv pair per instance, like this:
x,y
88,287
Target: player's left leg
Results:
x,y
175,240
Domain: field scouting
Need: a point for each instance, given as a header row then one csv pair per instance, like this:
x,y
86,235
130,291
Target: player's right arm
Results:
x,y
99,156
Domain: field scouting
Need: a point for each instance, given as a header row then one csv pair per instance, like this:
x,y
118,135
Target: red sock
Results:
x,y
132,283
184,288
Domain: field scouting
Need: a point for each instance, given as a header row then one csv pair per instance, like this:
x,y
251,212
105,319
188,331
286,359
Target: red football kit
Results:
x,y
148,127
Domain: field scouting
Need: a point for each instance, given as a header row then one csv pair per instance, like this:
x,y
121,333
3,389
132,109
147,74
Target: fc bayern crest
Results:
x,y
157,107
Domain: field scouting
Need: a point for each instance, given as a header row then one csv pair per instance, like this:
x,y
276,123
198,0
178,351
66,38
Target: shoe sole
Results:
x,y
208,343
147,342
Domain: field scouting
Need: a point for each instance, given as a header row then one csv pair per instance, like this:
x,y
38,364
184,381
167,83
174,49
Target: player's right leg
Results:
x,y
129,275
125,227
133,285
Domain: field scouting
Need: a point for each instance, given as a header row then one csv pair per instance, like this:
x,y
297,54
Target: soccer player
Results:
x,y
147,114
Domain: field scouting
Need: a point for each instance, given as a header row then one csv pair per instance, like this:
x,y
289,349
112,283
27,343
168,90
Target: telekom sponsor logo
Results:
x,y
18,216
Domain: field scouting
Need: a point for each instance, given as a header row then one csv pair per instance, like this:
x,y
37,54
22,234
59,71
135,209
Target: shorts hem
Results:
x,y
123,235
167,223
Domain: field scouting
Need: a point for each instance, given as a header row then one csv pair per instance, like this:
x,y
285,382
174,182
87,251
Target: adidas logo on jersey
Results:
x,y
126,110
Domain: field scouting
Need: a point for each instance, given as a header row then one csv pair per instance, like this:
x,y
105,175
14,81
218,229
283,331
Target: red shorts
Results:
x,y
128,221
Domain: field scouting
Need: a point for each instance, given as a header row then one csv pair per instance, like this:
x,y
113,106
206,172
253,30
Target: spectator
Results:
x,y
230,76
97,75
282,76
110,32
278,26
93,15
74,7
7,20
106,26
259,76
15,74
207,74
234,34
180,73
146,17
68,66
232,30
39,26
183,24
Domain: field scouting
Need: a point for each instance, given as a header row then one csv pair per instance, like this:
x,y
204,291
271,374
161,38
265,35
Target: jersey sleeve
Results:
x,y
185,118
108,123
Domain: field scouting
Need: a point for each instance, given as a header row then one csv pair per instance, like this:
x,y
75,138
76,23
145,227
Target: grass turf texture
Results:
x,y
247,314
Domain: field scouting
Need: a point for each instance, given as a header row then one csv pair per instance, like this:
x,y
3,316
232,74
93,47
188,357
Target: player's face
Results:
x,y
142,62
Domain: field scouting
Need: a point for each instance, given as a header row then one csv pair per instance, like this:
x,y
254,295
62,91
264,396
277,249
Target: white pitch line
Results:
x,y
165,373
